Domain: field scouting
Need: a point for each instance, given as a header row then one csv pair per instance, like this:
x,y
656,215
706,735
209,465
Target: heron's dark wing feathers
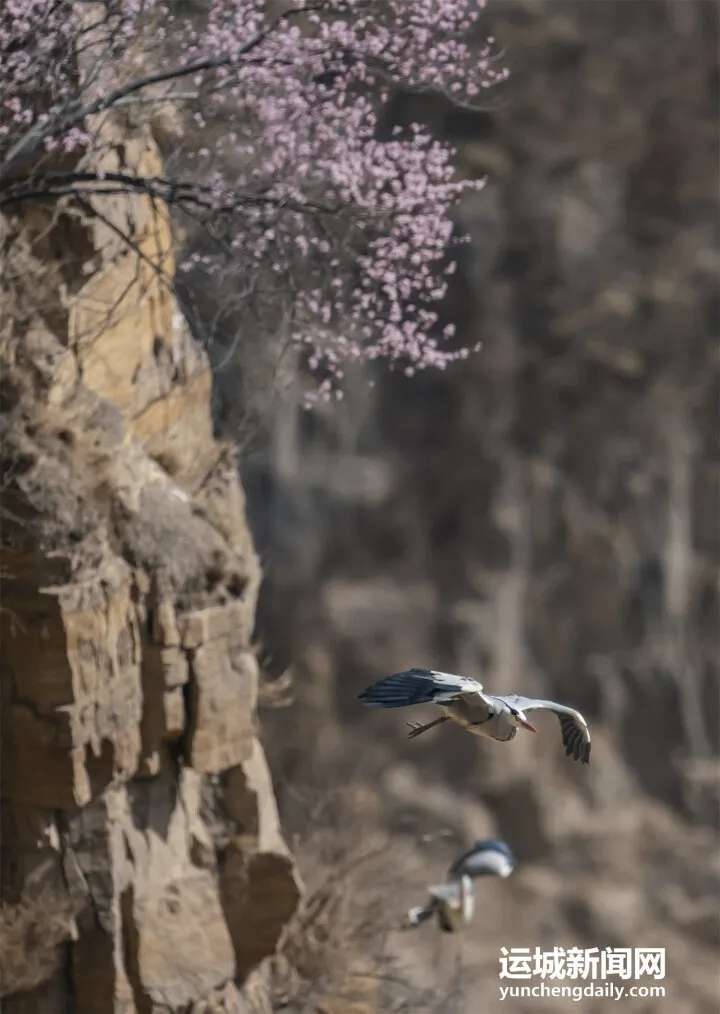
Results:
x,y
574,728
486,858
418,686
576,740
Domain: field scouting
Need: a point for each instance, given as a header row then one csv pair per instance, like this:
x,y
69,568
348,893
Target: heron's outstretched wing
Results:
x,y
491,857
419,686
575,732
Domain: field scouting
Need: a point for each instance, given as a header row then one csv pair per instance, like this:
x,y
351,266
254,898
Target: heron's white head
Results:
x,y
519,719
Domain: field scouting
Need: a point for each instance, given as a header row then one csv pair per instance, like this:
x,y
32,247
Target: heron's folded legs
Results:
x,y
416,728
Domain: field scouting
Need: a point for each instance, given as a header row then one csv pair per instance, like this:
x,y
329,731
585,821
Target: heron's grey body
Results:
x,y
463,701
476,716
454,901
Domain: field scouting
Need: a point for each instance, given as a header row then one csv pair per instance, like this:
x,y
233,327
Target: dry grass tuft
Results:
x,y
336,955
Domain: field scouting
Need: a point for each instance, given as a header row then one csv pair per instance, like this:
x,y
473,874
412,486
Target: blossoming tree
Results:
x,y
299,191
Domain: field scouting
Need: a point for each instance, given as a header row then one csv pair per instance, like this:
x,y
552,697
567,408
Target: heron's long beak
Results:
x,y
526,725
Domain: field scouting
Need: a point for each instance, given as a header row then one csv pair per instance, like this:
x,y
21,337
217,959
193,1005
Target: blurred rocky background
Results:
x,y
544,517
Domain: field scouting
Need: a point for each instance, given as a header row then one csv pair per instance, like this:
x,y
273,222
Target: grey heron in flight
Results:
x,y
463,700
454,901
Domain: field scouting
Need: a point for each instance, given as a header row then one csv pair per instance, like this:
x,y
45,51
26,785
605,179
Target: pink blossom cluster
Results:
x,y
42,44
288,167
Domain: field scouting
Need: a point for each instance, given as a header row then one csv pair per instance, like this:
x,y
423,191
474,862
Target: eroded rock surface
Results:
x,y
143,865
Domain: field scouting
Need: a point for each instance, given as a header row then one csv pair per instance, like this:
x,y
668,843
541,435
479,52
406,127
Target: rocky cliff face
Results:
x,y
143,865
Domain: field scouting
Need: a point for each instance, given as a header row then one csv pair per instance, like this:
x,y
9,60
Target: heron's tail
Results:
x,y
414,686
